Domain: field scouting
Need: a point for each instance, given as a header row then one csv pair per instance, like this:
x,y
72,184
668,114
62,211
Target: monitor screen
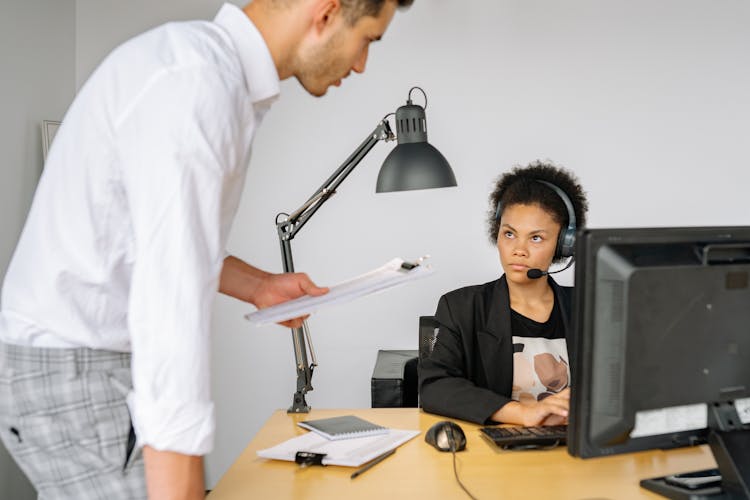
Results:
x,y
661,320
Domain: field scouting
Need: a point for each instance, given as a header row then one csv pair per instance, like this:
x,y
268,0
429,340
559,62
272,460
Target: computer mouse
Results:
x,y
446,436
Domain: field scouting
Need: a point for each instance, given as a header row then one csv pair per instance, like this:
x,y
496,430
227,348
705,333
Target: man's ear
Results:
x,y
325,13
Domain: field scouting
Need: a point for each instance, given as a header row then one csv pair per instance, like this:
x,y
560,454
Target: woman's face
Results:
x,y
526,240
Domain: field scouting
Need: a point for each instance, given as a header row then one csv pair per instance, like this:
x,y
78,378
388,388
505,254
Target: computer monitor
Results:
x,y
662,319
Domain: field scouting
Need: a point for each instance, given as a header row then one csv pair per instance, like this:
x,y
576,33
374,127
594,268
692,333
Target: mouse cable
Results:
x,y
455,472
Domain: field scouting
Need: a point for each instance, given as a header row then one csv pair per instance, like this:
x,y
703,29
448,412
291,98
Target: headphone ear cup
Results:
x,y
560,247
566,241
566,244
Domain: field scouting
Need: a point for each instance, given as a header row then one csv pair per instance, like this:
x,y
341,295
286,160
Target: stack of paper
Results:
x,y
393,273
348,452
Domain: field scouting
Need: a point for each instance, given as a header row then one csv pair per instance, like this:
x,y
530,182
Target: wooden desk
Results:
x,y
419,471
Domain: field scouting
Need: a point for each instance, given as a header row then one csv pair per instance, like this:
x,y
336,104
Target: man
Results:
x,y
123,249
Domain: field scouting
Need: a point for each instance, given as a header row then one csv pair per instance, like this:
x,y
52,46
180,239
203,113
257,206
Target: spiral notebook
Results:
x,y
344,427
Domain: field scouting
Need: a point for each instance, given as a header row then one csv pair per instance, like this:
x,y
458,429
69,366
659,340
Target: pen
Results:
x,y
372,464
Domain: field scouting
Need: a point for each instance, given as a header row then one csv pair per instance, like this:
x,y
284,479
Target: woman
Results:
x,y
500,353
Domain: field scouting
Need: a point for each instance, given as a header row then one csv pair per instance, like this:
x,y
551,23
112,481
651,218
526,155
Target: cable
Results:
x,y
455,472
452,442
423,93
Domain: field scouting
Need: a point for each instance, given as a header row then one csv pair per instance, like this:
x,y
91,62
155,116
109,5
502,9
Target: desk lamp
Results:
x,y
413,164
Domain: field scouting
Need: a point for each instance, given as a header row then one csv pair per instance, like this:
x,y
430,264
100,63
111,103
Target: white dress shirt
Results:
x,y
124,243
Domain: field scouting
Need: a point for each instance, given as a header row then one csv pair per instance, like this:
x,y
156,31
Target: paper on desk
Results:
x,y
348,452
389,275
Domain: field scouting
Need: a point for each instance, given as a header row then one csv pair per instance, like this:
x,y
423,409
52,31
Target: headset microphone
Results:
x,y
535,274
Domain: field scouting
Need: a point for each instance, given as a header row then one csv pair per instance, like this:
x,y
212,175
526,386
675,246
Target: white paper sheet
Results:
x,y
680,418
347,452
669,420
743,409
389,275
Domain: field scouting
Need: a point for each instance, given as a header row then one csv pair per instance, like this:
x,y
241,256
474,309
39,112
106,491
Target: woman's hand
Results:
x,y
552,410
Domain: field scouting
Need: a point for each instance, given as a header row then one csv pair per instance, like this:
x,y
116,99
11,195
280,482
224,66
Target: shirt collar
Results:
x,y
261,76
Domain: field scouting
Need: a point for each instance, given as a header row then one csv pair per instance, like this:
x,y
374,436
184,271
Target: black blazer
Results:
x,y
469,374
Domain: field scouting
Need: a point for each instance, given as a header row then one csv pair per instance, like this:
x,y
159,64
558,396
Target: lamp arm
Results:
x,y
288,228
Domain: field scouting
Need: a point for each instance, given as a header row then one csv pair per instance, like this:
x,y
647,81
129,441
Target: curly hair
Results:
x,y
520,186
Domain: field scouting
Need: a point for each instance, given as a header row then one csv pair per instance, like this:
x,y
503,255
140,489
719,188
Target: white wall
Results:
x,y
645,100
104,24
37,82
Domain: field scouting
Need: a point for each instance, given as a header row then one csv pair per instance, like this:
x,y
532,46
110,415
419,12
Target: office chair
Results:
x,y
427,335
395,378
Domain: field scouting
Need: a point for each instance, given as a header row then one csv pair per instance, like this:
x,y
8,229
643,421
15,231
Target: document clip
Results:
x,y
308,458
408,266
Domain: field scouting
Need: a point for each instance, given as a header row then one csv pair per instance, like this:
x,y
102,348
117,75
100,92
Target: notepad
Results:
x,y
344,427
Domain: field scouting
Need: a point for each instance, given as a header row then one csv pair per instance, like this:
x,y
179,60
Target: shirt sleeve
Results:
x,y
177,151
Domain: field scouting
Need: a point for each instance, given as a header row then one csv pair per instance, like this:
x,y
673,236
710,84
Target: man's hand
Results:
x,y
262,289
277,288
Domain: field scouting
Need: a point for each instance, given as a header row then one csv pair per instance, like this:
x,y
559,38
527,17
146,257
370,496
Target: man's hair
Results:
x,y
355,9
520,187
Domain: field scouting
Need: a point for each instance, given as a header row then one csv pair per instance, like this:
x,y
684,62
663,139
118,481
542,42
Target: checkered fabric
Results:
x,y
64,419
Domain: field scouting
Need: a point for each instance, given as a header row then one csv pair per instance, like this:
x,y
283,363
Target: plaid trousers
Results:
x,y
65,421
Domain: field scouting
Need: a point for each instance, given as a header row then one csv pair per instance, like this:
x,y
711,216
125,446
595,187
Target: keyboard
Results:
x,y
526,437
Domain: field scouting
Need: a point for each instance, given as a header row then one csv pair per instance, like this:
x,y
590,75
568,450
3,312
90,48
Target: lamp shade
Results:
x,y
414,163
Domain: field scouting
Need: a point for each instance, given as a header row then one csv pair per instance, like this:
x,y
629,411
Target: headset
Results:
x,y
566,241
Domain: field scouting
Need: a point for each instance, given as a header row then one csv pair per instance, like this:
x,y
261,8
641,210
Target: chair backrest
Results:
x,y
427,335
395,379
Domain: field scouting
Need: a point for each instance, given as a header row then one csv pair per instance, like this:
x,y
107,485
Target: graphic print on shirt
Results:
x,y
540,367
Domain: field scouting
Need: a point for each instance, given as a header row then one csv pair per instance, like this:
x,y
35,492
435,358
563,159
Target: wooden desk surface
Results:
x,y
417,470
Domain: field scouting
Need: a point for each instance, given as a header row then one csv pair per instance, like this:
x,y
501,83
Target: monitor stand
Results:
x,y
730,444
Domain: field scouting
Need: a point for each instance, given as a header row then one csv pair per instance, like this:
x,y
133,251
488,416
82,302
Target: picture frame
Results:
x,y
49,129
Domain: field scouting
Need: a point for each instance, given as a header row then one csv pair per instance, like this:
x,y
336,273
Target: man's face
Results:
x,y
340,49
